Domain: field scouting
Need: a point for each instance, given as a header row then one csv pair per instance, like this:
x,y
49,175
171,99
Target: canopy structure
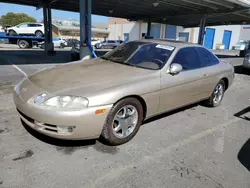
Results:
x,y
187,13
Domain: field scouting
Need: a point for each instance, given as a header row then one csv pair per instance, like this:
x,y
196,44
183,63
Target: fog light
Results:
x,y
65,130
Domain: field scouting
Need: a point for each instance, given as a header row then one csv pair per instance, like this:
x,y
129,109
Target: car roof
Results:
x,y
175,43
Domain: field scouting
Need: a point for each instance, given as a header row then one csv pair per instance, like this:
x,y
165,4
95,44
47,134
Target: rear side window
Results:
x,y
111,41
32,25
206,57
188,58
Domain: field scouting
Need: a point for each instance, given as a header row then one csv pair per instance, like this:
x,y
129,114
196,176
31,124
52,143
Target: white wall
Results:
x,y
245,32
133,29
115,32
219,32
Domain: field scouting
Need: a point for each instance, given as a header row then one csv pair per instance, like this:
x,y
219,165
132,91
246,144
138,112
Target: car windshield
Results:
x,y
141,54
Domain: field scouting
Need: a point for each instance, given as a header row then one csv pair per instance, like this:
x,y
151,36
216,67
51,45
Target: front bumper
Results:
x,y
85,123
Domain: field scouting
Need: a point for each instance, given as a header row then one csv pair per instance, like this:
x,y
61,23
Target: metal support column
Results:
x,y
49,47
88,23
202,30
149,28
85,27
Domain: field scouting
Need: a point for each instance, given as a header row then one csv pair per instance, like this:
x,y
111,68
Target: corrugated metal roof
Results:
x,y
177,12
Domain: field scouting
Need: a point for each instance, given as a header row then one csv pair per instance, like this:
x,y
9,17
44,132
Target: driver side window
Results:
x,y
188,58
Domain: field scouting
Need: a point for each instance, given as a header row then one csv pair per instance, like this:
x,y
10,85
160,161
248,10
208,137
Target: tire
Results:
x,y
39,33
61,46
114,138
211,102
23,44
12,33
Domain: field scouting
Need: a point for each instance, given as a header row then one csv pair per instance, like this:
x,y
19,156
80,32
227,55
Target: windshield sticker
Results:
x,y
165,47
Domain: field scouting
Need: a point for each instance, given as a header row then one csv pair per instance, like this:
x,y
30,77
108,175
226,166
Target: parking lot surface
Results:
x,y
194,147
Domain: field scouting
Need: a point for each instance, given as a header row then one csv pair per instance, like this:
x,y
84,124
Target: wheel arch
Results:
x,y
38,30
140,99
226,81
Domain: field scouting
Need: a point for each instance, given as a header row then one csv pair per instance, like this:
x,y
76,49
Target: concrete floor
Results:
x,y
193,147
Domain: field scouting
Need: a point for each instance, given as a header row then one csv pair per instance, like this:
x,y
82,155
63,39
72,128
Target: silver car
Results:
x,y
111,96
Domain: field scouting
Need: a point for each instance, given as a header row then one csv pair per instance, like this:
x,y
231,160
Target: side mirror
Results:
x,y
175,68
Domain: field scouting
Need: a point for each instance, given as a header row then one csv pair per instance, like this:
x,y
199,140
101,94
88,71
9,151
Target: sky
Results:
x,y
38,14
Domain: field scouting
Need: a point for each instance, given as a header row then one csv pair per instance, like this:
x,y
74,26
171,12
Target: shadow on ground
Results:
x,y
244,155
241,114
240,70
24,57
37,56
227,56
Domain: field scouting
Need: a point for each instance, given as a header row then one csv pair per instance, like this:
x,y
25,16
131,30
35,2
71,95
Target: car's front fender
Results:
x,y
148,89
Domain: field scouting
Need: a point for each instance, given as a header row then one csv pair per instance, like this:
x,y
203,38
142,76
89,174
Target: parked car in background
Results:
x,y
112,95
71,42
246,62
58,43
94,42
243,47
26,29
108,44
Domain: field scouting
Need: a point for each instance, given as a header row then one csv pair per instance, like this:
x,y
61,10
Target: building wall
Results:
x,y
245,32
118,27
134,29
219,32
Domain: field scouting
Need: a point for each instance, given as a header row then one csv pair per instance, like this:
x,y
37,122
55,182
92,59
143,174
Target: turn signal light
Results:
x,y
100,111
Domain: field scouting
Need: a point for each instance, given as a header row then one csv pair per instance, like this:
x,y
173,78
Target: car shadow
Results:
x,y
227,56
240,70
166,114
58,142
244,155
243,112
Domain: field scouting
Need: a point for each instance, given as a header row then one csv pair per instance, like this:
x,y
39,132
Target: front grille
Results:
x,y
26,117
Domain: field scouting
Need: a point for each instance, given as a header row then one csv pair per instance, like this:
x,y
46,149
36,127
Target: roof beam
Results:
x,y
200,4
242,15
223,4
244,3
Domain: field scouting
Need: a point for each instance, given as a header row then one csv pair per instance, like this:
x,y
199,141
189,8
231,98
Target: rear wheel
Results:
x,y
216,98
123,122
23,44
39,33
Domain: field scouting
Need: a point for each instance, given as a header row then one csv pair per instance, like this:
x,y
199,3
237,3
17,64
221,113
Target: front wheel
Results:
x,y
12,33
123,122
216,98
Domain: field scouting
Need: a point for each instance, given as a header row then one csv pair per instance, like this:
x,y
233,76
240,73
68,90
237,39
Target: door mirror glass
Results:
x,y
175,68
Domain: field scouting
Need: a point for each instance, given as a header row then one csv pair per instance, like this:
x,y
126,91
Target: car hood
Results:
x,y
86,76
11,27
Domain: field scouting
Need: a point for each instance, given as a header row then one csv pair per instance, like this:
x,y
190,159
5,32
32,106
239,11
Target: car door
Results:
x,y
183,88
211,70
23,29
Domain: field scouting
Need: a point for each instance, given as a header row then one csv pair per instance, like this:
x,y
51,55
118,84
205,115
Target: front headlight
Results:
x,y
70,102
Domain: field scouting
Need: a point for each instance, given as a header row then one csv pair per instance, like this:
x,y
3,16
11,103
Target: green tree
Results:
x,y
12,19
